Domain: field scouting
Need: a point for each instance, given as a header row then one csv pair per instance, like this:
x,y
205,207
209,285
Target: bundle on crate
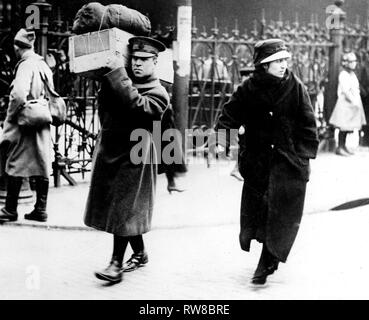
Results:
x,y
89,52
95,16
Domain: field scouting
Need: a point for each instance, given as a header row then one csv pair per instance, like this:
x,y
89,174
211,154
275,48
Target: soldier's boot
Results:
x,y
39,212
9,212
113,273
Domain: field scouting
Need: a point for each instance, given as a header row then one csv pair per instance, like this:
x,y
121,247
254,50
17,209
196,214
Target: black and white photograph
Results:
x,y
184,150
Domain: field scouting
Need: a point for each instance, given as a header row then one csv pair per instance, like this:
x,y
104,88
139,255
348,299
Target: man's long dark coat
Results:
x,y
280,138
121,196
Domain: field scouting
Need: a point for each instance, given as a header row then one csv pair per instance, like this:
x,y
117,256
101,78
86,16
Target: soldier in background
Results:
x,y
25,153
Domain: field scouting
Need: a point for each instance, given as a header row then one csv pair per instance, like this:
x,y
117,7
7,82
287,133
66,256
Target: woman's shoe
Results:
x,y
266,266
174,188
341,152
137,260
260,277
112,273
236,174
348,151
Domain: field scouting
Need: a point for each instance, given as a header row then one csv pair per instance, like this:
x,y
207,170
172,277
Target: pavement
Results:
x,y
212,196
329,260
193,246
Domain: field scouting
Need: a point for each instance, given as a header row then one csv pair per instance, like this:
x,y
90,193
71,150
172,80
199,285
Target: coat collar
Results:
x,y
29,54
147,83
272,93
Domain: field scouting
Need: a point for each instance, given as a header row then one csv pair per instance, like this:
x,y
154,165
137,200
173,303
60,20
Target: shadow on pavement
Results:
x,y
352,204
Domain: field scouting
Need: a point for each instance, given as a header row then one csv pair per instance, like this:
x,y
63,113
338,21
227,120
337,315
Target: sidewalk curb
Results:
x,y
67,204
85,228
46,226
160,227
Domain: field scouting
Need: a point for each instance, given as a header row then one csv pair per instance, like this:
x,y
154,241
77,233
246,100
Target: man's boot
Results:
x,y
112,273
42,190
9,212
137,260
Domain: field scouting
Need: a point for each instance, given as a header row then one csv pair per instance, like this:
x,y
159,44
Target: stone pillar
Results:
x,y
42,29
1,13
335,23
182,65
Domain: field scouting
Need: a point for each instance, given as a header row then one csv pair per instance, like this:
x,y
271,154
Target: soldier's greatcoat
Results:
x,y
25,152
121,195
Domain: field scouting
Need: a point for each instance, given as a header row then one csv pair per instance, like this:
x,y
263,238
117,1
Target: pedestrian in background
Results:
x,y
121,196
177,168
348,114
25,152
280,137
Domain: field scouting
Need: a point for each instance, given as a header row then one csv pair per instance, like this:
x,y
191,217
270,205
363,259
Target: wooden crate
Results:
x,y
89,52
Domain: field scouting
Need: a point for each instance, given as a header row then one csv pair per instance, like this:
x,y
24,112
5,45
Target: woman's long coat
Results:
x,y
25,152
280,138
121,195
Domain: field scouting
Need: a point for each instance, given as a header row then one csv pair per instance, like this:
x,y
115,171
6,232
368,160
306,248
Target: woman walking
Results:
x,y
280,137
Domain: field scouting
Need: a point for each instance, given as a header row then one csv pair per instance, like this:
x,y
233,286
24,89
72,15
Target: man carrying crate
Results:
x,y
121,195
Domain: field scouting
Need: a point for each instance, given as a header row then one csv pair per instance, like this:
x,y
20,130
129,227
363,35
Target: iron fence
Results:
x,y
218,58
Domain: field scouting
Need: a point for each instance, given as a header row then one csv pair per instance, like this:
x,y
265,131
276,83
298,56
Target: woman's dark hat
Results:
x,y
270,50
145,47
